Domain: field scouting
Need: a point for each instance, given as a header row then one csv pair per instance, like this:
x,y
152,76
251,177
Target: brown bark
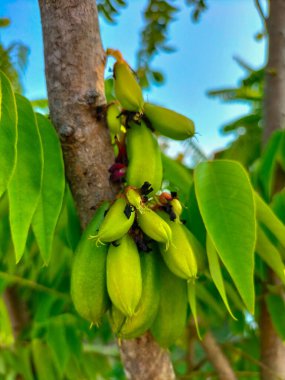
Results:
x,y
144,359
217,358
274,109
17,311
272,347
74,64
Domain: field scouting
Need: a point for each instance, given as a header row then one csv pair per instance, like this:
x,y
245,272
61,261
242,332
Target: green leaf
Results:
x,y
206,297
56,339
43,361
276,307
178,176
226,203
52,192
25,186
191,291
266,216
270,254
216,273
269,163
8,132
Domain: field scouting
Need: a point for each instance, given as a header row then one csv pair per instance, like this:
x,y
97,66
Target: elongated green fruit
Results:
x,y
169,123
199,251
155,227
129,328
88,276
113,121
172,312
179,256
135,199
124,278
127,89
144,157
115,224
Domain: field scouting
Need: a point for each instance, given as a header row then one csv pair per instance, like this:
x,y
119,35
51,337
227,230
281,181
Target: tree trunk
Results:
x,y
74,64
272,347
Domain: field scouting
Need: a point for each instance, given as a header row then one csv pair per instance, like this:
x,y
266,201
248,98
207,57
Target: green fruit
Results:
x,y
155,227
144,157
172,312
124,278
115,224
113,121
129,328
88,276
169,123
127,89
179,256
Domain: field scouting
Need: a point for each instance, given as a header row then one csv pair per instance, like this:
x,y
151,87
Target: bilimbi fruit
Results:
x,y
144,157
88,276
141,321
124,278
155,227
172,312
169,123
116,223
113,119
127,89
179,256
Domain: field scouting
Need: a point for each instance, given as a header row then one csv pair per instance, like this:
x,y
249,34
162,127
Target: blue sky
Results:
x,y
203,60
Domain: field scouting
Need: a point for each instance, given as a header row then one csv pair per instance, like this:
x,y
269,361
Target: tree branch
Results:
x,y
272,347
217,358
17,310
74,64
261,13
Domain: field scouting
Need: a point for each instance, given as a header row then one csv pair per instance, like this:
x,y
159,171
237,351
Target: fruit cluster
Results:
x,y
136,258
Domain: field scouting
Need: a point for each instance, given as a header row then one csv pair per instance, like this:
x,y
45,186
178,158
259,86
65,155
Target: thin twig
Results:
x,y
261,14
253,360
31,284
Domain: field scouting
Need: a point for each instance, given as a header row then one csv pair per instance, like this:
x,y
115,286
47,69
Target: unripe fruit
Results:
x,y
115,224
179,256
172,312
127,89
135,199
129,328
155,227
113,119
88,276
177,208
124,278
144,157
169,123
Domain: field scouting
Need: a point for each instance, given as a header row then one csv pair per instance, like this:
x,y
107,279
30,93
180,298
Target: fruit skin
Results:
x,y
88,276
144,157
113,121
129,328
179,257
127,89
124,278
169,123
171,317
155,227
115,224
